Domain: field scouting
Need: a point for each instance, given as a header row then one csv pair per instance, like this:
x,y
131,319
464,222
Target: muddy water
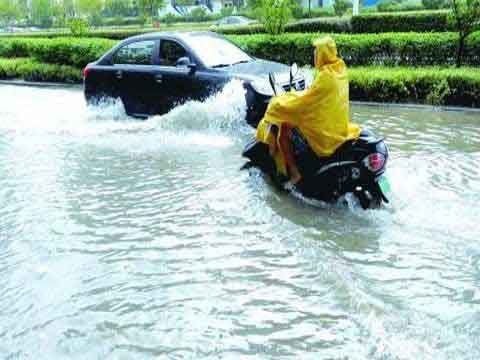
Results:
x,y
125,239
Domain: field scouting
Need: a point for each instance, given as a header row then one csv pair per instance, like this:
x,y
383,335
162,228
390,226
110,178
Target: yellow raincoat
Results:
x,y
321,112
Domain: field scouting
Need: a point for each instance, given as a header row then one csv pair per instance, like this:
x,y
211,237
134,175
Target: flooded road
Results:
x,y
125,239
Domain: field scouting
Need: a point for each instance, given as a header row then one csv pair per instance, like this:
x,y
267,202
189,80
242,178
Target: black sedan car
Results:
x,y
154,72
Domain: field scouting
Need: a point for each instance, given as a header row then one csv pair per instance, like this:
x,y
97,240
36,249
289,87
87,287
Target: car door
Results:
x,y
176,84
134,72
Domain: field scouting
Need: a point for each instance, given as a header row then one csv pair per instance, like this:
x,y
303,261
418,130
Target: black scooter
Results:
x,y
356,167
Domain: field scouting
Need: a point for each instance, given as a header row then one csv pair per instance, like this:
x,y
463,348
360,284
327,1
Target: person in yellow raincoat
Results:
x,y
321,113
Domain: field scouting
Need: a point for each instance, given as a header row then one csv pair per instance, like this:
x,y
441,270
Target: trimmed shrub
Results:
x,y
123,21
393,49
31,70
402,22
435,4
432,21
365,49
325,25
114,34
196,15
439,86
333,25
78,27
65,51
70,51
168,19
16,47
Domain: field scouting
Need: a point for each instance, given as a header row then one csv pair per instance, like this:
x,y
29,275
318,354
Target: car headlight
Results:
x,y
262,86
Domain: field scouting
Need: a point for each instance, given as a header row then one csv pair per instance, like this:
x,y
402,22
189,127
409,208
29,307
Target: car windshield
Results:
x,y
217,52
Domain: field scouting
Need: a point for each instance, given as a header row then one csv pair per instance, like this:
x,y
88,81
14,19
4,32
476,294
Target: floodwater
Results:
x,y
124,239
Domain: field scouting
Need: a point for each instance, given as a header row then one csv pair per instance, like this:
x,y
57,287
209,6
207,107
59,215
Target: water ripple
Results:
x,y
121,239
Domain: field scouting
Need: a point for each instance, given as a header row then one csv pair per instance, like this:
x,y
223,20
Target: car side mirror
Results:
x,y
185,62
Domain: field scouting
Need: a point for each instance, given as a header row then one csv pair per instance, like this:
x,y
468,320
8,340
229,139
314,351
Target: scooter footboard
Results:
x,y
258,154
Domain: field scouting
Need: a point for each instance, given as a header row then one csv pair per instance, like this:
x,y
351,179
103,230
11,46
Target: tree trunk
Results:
x,y
460,49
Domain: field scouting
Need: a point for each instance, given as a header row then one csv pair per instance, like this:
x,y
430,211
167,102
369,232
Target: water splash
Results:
x,y
222,112
225,110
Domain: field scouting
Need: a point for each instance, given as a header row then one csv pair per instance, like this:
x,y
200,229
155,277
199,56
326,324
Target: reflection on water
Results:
x,y
121,238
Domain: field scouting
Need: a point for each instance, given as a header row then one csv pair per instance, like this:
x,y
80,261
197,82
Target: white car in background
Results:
x,y
234,20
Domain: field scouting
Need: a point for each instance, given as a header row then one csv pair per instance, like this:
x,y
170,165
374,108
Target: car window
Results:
x,y
137,53
215,51
170,52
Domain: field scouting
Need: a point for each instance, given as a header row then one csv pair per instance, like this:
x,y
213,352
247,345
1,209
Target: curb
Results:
x,y
416,106
40,84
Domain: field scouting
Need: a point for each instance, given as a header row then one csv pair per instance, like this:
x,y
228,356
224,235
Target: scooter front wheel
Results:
x,y
368,199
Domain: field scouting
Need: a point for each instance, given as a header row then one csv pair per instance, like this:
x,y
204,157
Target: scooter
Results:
x,y
357,167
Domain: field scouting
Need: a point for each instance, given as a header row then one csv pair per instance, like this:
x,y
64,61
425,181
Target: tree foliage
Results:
x,y
117,8
198,14
466,20
150,8
8,11
42,12
45,13
78,27
91,9
341,6
274,15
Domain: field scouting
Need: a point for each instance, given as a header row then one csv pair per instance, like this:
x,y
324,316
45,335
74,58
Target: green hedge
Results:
x,y
123,21
437,86
31,70
16,47
114,34
70,51
431,21
434,21
327,25
107,33
64,51
409,49
365,49
395,6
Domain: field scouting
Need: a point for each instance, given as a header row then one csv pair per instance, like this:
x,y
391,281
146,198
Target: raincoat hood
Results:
x,y
321,112
325,52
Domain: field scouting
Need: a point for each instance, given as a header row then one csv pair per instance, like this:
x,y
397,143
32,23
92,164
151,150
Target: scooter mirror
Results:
x,y
293,73
271,78
293,70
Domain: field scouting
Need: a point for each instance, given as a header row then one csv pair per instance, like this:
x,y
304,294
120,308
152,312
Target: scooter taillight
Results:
x,y
374,162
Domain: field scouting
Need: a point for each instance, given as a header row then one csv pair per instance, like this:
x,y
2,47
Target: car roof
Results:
x,y
179,35
236,17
